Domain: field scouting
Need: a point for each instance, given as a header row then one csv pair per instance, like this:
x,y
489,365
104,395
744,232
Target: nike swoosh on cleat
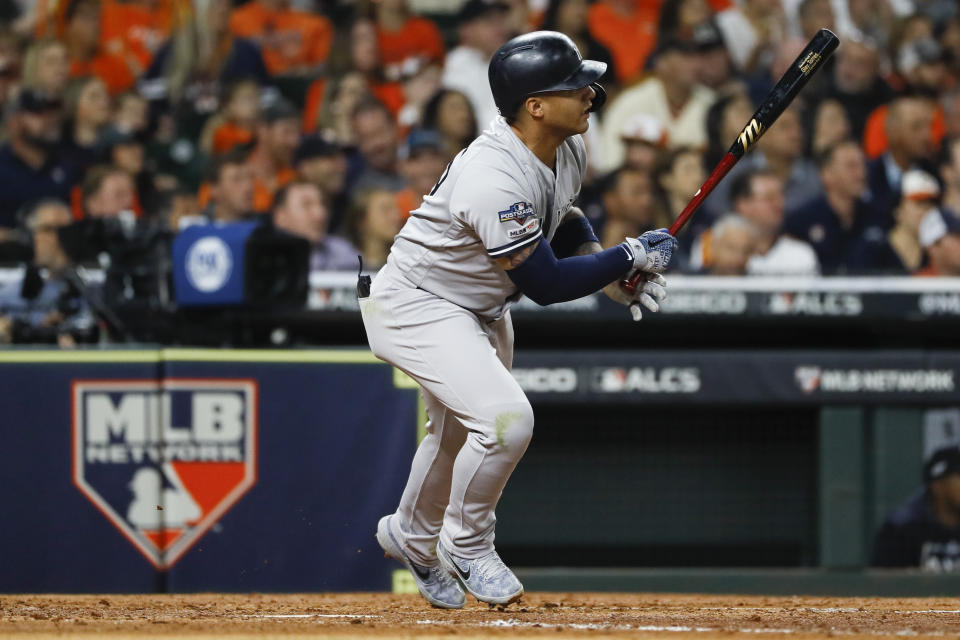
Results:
x,y
422,572
464,576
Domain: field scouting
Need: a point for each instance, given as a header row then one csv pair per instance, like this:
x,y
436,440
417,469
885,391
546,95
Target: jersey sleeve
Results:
x,y
493,204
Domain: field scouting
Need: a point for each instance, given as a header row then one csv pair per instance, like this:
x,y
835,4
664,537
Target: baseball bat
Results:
x,y
793,80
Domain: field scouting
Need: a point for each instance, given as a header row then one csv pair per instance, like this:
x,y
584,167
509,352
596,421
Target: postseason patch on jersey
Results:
x,y
518,212
524,230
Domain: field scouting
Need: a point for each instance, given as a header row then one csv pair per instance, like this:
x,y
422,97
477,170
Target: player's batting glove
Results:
x,y
650,293
651,251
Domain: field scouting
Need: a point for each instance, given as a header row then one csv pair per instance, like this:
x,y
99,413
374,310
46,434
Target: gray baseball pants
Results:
x,y
480,421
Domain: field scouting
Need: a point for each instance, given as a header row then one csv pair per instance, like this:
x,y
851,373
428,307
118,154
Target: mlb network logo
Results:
x,y
164,460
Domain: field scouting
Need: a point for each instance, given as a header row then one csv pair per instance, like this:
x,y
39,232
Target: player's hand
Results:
x,y
651,290
652,250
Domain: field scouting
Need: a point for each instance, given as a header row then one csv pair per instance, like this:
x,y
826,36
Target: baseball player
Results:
x,y
500,223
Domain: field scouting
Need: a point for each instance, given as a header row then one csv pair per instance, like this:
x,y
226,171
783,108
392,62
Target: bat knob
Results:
x,y
630,284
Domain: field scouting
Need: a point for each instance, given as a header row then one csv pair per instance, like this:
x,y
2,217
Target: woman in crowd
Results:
x,y
46,67
450,113
373,221
87,108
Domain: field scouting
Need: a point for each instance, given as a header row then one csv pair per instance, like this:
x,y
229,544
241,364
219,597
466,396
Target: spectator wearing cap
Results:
x,y
671,95
949,165
271,160
715,69
292,41
450,114
378,143
644,139
482,28
940,237
423,157
299,209
324,163
834,222
924,532
571,17
921,64
402,37
909,146
900,251
126,150
230,189
30,168
628,29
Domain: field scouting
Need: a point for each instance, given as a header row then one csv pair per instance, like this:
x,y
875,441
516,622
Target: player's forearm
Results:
x,y
575,236
546,280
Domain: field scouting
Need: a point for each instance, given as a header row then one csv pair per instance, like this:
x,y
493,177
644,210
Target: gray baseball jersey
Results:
x,y
495,198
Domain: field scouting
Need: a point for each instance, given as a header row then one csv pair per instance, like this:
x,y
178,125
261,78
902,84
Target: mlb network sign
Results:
x,y
164,460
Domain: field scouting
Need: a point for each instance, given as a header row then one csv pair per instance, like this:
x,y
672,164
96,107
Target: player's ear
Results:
x,y
534,106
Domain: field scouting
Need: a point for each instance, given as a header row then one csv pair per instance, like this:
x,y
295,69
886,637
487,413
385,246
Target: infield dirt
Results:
x,y
379,615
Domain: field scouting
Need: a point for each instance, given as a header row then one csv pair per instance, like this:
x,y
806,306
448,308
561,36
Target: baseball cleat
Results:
x,y
434,583
487,578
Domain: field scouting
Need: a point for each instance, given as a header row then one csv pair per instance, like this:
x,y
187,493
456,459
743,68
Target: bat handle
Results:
x,y
630,284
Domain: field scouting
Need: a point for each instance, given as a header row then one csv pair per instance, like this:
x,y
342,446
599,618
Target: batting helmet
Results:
x,y
539,62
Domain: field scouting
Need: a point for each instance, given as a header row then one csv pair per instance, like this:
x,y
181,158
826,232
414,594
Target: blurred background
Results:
x,y
186,189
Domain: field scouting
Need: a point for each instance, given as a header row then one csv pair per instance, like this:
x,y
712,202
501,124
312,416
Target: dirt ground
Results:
x,y
381,616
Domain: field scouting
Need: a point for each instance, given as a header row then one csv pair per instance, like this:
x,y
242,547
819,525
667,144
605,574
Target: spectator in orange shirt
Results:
x,y
108,192
234,125
423,157
940,236
135,29
356,64
293,42
923,68
230,188
82,36
46,67
450,113
401,36
629,29
271,160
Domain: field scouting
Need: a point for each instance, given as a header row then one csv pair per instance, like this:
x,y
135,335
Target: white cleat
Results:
x,y
434,583
487,578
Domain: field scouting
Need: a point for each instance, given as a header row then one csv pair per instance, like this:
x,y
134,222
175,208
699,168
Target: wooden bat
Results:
x,y
807,63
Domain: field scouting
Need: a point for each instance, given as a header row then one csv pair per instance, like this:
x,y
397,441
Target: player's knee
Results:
x,y
512,427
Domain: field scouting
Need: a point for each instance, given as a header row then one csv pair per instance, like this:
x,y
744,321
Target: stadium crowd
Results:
x,y
331,119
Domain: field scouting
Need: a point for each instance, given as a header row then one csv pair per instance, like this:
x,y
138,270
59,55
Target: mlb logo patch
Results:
x,y
164,461
518,211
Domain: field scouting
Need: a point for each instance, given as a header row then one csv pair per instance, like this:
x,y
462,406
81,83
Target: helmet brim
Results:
x,y
586,74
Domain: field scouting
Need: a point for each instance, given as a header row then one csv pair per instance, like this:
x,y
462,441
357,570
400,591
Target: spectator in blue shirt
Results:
x,y
29,165
835,222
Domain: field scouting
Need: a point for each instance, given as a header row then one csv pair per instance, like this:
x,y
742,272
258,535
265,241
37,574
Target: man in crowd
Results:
x,y
940,237
378,143
107,192
29,166
671,95
324,164
644,139
231,189
834,222
733,241
908,135
627,206
482,26
925,531
758,198
278,134
856,82
423,159
299,209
